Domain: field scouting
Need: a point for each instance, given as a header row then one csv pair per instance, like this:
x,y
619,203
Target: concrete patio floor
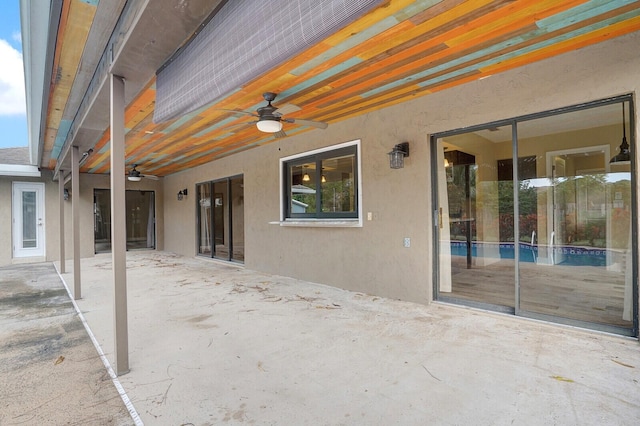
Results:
x,y
212,343
50,373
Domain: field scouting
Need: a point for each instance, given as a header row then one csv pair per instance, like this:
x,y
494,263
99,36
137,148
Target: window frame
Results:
x,y
338,219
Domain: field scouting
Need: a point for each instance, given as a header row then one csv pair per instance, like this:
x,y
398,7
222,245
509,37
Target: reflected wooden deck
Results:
x,y
585,293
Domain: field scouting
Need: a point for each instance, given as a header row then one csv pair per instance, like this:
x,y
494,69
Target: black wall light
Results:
x,y
396,156
181,194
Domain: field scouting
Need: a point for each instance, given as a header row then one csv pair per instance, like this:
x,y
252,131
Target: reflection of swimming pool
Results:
x,y
563,255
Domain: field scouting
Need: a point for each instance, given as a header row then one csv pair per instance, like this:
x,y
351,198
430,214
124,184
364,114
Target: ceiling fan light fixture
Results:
x,y
134,175
269,126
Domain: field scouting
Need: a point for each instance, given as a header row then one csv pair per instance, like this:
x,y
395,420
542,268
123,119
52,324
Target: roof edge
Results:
x,y
19,170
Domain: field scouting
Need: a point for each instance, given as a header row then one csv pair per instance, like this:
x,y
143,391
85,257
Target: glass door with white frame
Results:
x,y
28,220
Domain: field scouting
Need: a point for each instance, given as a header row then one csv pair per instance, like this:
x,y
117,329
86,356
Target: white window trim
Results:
x,y
338,223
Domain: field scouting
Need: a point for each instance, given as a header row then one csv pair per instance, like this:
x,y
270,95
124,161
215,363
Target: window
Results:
x,y
322,184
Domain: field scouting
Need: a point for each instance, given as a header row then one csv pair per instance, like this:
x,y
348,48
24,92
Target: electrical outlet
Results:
x,y
407,242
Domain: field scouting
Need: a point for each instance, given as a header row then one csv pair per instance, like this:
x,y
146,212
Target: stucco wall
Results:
x,y
5,220
372,259
51,218
52,215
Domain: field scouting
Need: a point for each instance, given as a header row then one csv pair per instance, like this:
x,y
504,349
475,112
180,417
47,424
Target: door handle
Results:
x,y
440,218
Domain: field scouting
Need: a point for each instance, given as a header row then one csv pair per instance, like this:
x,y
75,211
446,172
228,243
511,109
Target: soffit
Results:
x,y
398,51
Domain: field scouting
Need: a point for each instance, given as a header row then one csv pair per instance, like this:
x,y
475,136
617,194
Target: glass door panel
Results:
x,y
475,263
575,219
102,220
204,218
547,236
140,219
237,218
221,220
29,220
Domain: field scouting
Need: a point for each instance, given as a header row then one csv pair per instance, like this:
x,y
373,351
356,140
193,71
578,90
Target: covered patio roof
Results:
x,y
399,50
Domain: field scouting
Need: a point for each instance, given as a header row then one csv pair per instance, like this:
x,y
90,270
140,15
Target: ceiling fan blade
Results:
x,y
235,128
318,124
280,134
152,177
287,109
234,111
238,125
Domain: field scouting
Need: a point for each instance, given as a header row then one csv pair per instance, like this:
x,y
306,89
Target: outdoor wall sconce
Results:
x,y
181,194
65,194
624,156
396,156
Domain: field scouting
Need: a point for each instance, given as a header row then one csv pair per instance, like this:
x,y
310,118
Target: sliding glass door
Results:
x,y
534,217
141,224
221,219
470,228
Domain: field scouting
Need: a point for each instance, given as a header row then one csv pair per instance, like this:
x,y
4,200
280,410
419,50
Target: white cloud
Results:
x,y
16,36
12,97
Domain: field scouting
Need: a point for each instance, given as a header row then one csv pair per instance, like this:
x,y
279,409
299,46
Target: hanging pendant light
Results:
x,y
624,156
305,176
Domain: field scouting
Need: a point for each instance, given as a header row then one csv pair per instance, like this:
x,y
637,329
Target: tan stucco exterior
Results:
x,y
371,258
52,216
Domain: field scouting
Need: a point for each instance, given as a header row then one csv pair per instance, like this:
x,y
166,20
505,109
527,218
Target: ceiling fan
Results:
x,y
135,176
270,118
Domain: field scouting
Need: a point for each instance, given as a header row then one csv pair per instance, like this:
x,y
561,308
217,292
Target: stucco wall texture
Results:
x,y
371,258
52,215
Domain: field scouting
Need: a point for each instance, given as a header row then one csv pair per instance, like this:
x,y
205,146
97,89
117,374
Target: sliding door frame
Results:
x,y
229,211
514,123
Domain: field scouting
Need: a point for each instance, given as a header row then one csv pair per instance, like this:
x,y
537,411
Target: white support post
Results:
x,y
119,226
75,214
61,227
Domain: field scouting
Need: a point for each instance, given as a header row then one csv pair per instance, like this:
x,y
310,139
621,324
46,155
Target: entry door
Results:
x,y
28,219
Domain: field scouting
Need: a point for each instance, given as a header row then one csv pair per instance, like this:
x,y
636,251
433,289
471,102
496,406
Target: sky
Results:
x,y
13,118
